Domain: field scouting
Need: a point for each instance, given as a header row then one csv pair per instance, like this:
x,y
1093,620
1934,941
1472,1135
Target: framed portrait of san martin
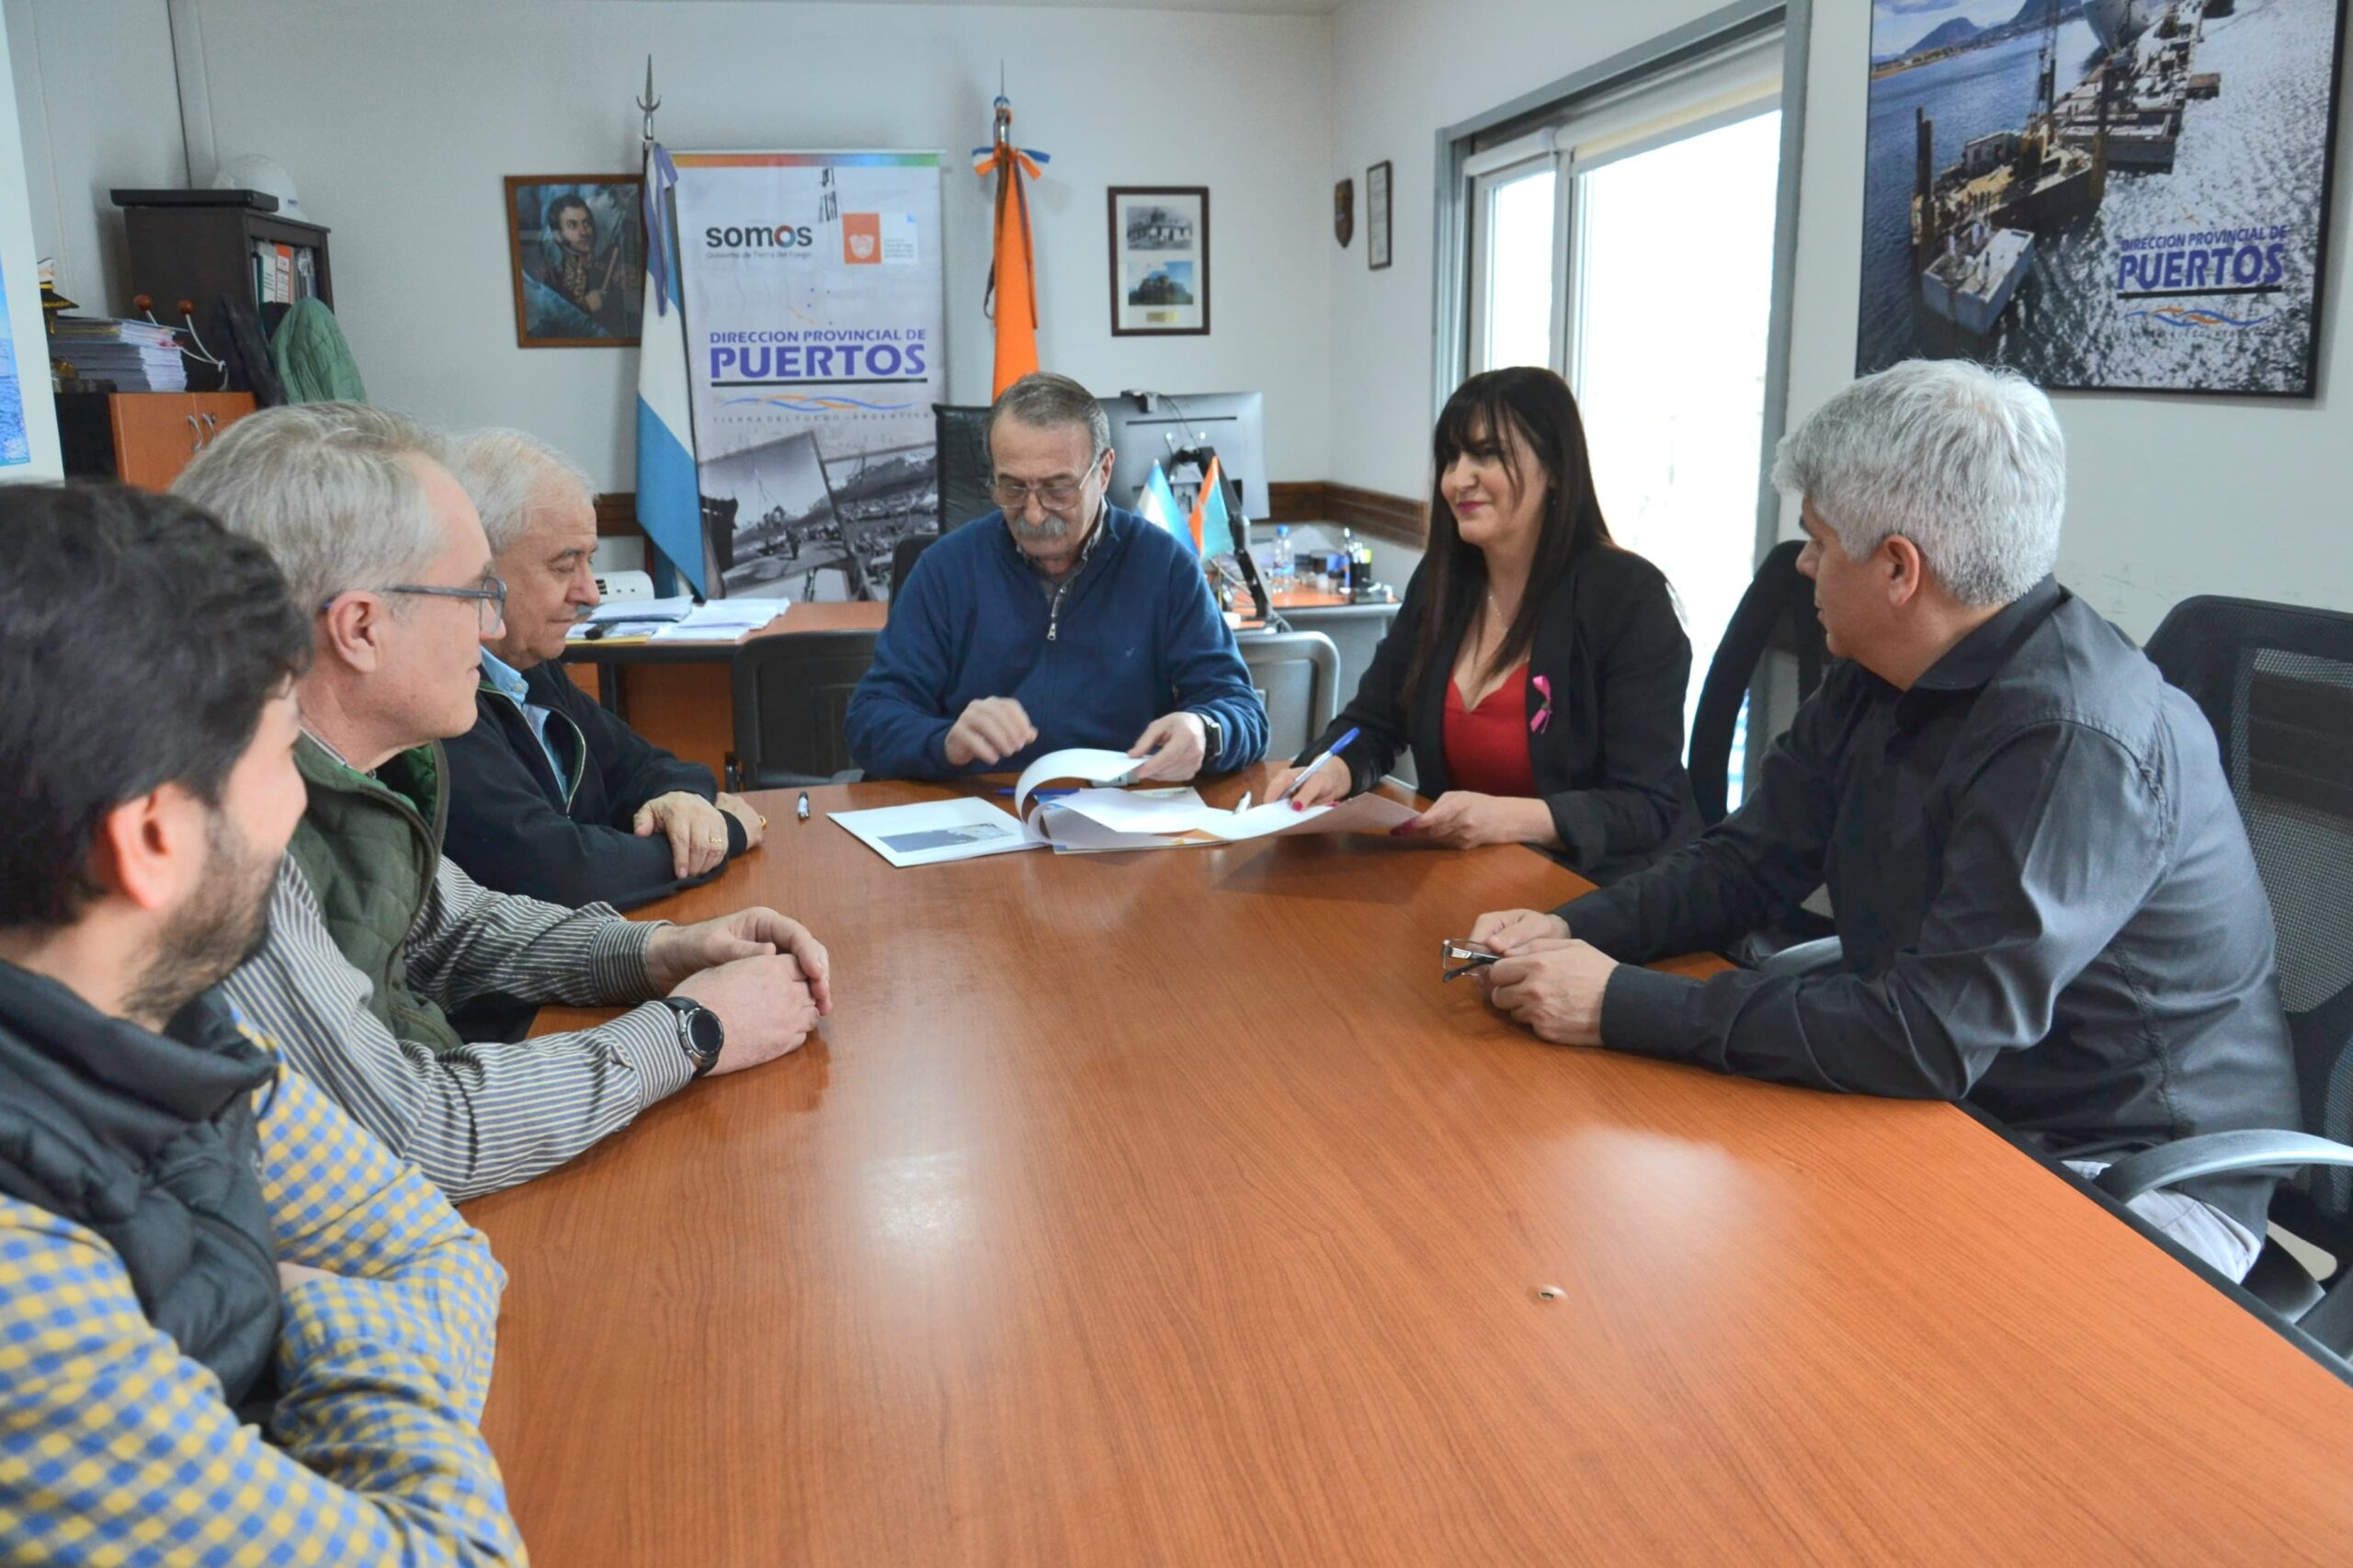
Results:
x,y
1160,261
578,247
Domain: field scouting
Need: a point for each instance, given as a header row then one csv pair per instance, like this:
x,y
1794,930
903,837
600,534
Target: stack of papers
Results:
x,y
618,620
136,355
723,620
641,609
1095,821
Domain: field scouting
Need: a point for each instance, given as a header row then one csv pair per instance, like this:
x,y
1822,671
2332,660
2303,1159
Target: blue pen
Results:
x,y
1309,771
1036,794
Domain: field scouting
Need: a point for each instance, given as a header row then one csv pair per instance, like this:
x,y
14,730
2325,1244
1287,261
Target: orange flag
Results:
x,y
1012,299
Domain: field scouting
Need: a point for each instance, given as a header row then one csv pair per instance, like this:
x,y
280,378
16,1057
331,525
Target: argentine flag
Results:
x,y
669,497
1158,505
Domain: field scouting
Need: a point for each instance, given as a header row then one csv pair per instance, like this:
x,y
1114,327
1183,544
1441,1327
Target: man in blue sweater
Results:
x,y
1057,621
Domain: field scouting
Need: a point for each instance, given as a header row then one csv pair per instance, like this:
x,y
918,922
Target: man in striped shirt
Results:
x,y
375,937
233,1328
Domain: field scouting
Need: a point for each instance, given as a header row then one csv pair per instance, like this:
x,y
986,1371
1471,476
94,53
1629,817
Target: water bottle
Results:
x,y
1345,584
1285,565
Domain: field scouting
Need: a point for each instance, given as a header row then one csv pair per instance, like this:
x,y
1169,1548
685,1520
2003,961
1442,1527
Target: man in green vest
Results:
x,y
375,937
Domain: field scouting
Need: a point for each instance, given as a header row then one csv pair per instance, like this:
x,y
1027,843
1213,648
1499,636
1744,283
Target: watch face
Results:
x,y
704,1033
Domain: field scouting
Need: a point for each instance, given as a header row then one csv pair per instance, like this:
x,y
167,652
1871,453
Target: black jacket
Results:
x,y
516,827
149,1140
2045,899
1609,760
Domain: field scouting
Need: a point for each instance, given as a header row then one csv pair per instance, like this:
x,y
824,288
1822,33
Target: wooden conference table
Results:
x,y
1165,1208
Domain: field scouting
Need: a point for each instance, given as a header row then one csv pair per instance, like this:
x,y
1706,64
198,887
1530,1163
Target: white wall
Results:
x,y
100,111
2167,496
399,121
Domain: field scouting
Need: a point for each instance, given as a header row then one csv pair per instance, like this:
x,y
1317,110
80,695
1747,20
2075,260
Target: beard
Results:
x,y
223,923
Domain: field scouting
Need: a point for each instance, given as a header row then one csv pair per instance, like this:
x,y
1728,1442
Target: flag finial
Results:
x,y
647,105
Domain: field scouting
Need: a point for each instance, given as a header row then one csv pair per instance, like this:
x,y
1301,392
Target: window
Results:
x,y
1625,237
1517,323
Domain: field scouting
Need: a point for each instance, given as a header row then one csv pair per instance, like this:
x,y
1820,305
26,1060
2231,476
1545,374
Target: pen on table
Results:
x,y
1038,794
802,813
1309,771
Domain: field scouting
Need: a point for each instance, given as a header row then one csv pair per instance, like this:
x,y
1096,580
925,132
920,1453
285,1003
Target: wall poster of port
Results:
x,y
816,334
2123,195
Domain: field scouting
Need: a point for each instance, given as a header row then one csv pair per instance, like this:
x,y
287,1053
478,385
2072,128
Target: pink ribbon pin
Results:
x,y
1545,714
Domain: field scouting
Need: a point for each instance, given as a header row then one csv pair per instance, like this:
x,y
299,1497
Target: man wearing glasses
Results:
x,y
1057,621
374,936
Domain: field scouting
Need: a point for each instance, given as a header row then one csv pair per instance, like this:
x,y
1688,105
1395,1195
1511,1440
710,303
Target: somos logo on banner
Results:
x,y
757,237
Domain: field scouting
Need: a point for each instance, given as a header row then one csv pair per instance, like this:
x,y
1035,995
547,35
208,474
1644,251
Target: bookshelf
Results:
x,y
197,253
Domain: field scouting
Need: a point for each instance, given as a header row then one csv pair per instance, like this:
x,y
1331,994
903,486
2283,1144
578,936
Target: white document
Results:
x,y
1094,765
641,609
931,833
1364,813
722,619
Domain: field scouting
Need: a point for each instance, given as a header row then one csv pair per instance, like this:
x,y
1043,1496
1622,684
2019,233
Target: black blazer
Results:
x,y
517,826
1610,761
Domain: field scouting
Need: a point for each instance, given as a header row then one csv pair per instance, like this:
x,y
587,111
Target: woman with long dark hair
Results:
x,y
1536,670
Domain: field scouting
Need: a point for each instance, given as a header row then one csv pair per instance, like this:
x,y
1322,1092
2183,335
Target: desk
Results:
x,y
675,693
1165,1207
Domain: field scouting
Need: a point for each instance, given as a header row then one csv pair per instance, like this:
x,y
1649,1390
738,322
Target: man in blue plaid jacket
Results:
x,y
233,1328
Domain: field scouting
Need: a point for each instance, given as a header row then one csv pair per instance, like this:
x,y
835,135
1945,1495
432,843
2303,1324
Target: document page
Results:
x,y
931,833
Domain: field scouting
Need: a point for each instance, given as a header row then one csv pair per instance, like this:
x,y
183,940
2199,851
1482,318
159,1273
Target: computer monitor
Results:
x,y
1148,427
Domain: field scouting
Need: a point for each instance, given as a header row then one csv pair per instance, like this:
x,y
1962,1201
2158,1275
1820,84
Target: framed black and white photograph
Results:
x,y
2123,195
578,246
774,529
1160,260
1376,216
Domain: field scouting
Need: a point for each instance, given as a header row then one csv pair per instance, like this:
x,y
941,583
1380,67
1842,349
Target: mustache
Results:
x,y
1052,528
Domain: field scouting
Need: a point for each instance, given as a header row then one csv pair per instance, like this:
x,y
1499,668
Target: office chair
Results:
x,y
904,556
1776,612
961,433
2277,683
1777,594
790,697
1297,675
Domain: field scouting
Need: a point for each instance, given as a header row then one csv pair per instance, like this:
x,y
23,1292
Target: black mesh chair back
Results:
x,y
964,468
791,695
1777,610
904,556
2277,683
1297,675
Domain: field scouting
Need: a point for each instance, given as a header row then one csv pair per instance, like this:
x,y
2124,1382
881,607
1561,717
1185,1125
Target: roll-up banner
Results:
x,y
815,346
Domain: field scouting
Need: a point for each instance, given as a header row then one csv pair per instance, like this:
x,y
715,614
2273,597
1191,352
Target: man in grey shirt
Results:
x,y
2044,897
374,936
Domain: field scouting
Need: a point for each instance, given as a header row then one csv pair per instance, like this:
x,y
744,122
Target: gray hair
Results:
x,y
505,471
1043,400
1965,461
324,487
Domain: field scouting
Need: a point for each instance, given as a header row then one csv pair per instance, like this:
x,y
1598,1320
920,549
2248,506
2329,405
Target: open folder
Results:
x,y
1094,819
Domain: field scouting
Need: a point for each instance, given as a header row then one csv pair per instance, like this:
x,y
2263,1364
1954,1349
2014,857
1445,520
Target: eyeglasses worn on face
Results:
x,y
489,596
1014,495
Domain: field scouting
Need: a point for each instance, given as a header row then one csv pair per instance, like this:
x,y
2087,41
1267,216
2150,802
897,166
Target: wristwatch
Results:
x,y
700,1034
1215,731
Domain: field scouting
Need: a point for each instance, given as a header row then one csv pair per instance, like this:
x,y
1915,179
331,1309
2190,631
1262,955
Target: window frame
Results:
x,y
1506,133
